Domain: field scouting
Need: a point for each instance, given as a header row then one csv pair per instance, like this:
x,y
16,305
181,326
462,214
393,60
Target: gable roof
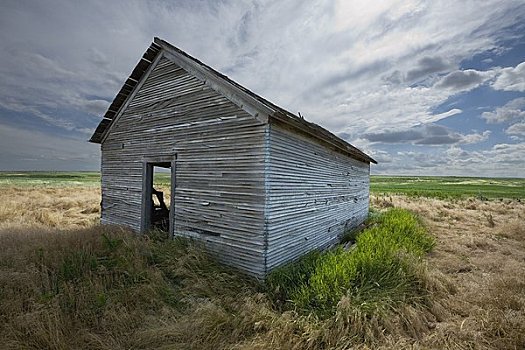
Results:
x,y
224,85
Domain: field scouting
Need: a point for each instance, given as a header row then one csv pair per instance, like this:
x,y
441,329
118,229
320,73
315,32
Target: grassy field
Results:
x,y
430,271
49,179
449,187
426,186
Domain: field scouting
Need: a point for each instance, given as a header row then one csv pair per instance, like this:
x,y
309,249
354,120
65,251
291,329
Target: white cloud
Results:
x,y
512,110
328,59
456,152
447,114
500,160
516,129
513,153
351,66
511,79
475,137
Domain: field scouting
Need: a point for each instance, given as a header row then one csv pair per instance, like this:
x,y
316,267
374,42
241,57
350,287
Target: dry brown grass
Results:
x,y
476,272
44,207
481,251
74,290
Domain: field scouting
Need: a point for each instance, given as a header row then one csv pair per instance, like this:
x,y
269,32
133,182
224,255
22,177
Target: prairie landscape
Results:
x,y
459,283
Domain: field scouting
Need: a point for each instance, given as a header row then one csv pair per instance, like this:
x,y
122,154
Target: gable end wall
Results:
x,y
220,150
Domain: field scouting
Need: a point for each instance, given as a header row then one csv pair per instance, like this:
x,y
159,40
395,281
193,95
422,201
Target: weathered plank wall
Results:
x,y
314,195
220,164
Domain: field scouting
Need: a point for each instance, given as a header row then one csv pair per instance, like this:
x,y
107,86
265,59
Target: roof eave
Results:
x,y
318,132
125,91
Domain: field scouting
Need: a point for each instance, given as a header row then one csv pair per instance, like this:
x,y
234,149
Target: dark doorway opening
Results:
x,y
160,197
157,198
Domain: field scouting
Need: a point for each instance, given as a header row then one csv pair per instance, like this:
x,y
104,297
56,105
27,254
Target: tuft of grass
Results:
x,y
490,220
351,235
283,282
381,273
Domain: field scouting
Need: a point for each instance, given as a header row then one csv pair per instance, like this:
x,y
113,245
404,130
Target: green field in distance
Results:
x,y
427,186
449,186
50,178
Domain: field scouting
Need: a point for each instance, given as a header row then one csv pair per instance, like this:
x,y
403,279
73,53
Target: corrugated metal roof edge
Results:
x,y
280,114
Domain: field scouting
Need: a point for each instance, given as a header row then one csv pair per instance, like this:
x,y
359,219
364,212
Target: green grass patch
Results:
x,y
380,272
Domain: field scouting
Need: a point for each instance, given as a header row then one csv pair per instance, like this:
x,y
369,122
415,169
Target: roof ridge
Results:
x,y
276,112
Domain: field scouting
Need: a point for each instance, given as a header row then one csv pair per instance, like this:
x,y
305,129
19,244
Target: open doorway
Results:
x,y
157,196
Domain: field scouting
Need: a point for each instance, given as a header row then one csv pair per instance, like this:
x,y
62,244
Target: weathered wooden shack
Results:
x,y
257,184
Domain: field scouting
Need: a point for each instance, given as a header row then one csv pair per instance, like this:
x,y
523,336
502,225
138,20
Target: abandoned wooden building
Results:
x,y
257,184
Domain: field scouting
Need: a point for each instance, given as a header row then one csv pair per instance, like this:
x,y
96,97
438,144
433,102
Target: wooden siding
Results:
x,y
219,195
314,195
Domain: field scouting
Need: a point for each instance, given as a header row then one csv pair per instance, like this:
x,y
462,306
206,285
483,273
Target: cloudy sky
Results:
x,y
425,87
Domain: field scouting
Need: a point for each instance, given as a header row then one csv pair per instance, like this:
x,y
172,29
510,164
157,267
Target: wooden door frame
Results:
x,y
147,183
